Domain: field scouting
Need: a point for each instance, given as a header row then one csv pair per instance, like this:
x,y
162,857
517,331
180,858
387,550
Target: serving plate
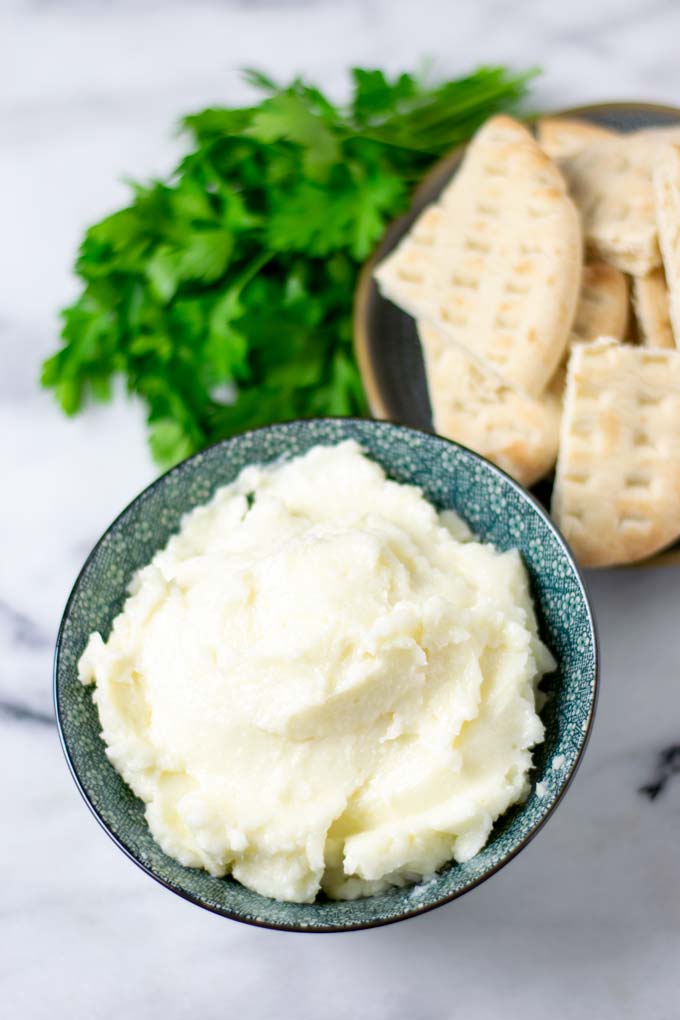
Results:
x,y
386,342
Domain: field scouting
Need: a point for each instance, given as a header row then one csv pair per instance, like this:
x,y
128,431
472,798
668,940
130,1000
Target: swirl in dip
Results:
x,y
322,683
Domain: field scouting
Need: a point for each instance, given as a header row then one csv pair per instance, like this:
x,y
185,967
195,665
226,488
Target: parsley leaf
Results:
x,y
223,294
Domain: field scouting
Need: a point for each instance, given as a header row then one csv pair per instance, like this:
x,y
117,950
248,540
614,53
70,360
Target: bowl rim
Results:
x,y
426,906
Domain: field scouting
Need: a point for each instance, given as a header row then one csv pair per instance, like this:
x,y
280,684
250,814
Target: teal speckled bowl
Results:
x,y
496,508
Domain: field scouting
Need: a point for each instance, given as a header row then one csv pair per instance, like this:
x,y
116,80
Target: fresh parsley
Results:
x,y
223,294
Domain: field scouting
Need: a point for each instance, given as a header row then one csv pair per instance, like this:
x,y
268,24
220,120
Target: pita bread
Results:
x,y
602,310
496,263
517,432
611,182
473,406
667,194
564,136
650,299
617,486
661,135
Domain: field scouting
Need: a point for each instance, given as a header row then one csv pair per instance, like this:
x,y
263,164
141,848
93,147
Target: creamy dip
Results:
x,y
322,683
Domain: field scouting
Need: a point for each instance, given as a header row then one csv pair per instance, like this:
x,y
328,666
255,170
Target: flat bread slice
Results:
x,y
611,182
667,196
473,406
496,263
663,135
650,300
602,310
565,136
617,486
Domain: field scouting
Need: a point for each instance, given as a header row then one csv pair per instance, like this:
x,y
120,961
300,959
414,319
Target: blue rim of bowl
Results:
x,y
425,907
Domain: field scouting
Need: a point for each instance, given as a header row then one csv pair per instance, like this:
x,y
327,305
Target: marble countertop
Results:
x,y
587,920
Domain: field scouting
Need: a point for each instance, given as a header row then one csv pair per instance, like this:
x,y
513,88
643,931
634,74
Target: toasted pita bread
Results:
x,y
474,407
602,310
496,263
517,432
667,196
661,135
564,136
617,486
611,182
650,300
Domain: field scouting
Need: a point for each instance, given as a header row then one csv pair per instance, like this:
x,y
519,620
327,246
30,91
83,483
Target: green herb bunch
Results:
x,y
223,295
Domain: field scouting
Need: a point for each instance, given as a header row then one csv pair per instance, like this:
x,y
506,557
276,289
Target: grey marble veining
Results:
x,y
587,920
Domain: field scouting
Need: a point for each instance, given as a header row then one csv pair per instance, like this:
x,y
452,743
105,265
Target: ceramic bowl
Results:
x,y
496,508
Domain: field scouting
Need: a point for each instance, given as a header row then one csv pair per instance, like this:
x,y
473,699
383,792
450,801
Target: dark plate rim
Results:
x,y
442,169
427,906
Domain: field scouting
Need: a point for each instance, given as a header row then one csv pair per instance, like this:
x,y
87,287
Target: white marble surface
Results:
x,y
586,922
